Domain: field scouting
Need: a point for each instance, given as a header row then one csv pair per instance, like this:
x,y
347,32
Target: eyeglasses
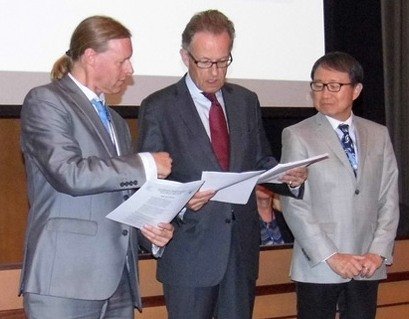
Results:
x,y
331,86
207,64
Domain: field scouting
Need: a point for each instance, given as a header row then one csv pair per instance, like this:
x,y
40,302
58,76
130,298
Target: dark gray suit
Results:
x,y
198,255
74,180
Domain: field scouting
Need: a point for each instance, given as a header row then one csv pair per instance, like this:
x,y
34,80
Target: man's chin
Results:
x,y
118,89
213,88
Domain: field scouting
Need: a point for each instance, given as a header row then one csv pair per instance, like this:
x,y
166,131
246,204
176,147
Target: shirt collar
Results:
x,y
335,123
88,92
196,93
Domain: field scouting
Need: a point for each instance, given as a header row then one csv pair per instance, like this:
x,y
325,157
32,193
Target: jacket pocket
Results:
x,y
72,225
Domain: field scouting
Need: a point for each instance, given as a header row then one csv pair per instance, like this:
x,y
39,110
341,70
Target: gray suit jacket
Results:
x,y
199,251
74,180
341,213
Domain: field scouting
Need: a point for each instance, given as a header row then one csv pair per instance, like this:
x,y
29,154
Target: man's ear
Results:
x,y
185,57
357,90
89,56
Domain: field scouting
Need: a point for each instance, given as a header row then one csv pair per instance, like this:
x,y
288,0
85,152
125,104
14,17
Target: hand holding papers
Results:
x,y
157,201
161,200
236,188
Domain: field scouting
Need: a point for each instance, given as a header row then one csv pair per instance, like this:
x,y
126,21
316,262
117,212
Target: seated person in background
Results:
x,y
273,228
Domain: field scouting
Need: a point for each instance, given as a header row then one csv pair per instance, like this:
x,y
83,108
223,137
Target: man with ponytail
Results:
x,y
80,166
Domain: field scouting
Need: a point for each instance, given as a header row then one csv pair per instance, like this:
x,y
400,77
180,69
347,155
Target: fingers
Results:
x,y
295,177
366,271
163,163
345,265
370,263
159,235
200,199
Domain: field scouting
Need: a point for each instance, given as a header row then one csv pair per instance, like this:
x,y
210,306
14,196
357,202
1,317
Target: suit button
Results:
x,y
124,232
227,221
121,184
356,191
126,197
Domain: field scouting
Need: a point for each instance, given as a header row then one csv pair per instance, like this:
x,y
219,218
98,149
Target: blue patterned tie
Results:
x,y
348,146
102,112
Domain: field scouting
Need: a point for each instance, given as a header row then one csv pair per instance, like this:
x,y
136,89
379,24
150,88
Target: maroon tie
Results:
x,y
218,132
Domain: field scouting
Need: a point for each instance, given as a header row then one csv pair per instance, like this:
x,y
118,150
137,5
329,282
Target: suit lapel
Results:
x,y
186,111
235,126
362,142
324,129
83,105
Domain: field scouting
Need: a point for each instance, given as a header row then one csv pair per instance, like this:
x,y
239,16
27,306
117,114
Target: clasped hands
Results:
x,y
349,265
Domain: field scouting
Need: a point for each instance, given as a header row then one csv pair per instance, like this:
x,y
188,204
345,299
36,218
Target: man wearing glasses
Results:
x,y
210,267
345,226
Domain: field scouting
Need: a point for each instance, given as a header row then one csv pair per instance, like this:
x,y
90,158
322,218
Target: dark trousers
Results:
x,y
356,299
232,298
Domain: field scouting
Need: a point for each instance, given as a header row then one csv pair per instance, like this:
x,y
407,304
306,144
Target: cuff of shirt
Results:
x,y
325,259
295,190
182,213
157,251
149,165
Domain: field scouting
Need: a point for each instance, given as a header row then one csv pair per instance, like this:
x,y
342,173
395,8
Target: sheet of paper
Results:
x,y
232,188
273,175
156,201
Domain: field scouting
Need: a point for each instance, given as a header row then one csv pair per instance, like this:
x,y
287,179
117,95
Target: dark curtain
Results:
x,y
355,27
395,37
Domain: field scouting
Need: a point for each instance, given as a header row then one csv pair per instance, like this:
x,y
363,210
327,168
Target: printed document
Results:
x,y
155,202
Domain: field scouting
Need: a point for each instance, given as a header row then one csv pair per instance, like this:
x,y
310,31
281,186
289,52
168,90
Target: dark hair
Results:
x,y
342,62
212,21
93,32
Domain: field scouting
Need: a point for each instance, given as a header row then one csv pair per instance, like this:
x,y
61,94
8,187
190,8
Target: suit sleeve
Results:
x,y
298,214
388,211
73,163
150,138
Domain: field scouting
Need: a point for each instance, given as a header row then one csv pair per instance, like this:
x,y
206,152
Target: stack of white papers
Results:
x,y
273,175
236,188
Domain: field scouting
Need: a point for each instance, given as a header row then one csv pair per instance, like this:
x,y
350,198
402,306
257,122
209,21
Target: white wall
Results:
x,y
277,40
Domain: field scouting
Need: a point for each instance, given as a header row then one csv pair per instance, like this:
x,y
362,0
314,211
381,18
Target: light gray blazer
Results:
x,y
341,213
74,180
